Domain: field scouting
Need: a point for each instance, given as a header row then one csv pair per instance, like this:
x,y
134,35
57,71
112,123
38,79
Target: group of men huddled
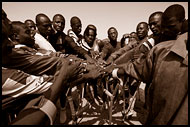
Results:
x,y
40,59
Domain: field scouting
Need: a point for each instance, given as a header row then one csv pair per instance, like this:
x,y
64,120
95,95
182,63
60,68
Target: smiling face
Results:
x,y
59,23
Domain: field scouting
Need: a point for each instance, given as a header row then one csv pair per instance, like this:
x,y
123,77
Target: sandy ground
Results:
x,y
95,116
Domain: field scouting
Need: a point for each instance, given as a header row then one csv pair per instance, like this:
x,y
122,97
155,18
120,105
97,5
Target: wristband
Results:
x,y
49,109
114,74
45,105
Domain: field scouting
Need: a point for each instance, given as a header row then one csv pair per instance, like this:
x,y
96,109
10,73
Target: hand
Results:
x,y
110,60
109,69
72,69
93,73
101,61
90,60
94,54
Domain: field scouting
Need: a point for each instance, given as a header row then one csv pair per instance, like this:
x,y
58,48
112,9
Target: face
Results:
x,y
32,27
90,37
45,27
142,31
24,36
171,27
133,37
112,34
7,45
155,24
58,23
76,27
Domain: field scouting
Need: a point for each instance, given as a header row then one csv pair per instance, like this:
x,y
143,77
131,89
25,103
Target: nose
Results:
x,y
49,28
152,26
59,24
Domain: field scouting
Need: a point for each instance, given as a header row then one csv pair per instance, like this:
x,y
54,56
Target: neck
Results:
x,y
113,42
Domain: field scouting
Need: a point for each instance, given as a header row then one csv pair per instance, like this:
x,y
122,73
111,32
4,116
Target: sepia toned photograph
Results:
x,y
94,63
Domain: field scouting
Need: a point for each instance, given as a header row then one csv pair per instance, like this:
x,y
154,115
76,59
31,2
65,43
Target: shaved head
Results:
x,y
40,18
74,20
44,24
76,25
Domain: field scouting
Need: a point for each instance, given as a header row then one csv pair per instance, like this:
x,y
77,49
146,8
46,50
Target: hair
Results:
x,y
175,10
16,25
59,16
90,27
73,19
133,33
145,23
112,28
28,20
156,13
39,16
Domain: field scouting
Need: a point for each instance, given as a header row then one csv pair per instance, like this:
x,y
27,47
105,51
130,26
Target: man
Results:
x,y
21,36
31,25
155,26
142,30
127,52
165,68
75,30
65,43
42,36
129,38
111,44
90,40
16,83
131,54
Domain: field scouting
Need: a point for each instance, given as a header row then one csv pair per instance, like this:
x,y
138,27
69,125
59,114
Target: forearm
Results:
x,y
24,118
120,52
140,69
58,86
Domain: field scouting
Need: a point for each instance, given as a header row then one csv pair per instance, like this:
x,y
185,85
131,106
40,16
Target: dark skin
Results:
x,y
112,35
59,23
31,25
155,24
52,94
44,25
76,25
142,30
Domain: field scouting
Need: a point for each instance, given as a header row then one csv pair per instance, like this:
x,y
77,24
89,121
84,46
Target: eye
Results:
x,y
27,32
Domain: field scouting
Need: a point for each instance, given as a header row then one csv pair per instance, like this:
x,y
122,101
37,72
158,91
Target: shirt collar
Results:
x,y
179,47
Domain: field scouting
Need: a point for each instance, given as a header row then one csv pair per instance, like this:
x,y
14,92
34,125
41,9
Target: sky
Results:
x,y
124,16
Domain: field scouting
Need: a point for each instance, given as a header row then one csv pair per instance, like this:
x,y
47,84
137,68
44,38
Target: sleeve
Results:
x,y
142,68
120,52
17,83
79,50
34,64
105,50
43,104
